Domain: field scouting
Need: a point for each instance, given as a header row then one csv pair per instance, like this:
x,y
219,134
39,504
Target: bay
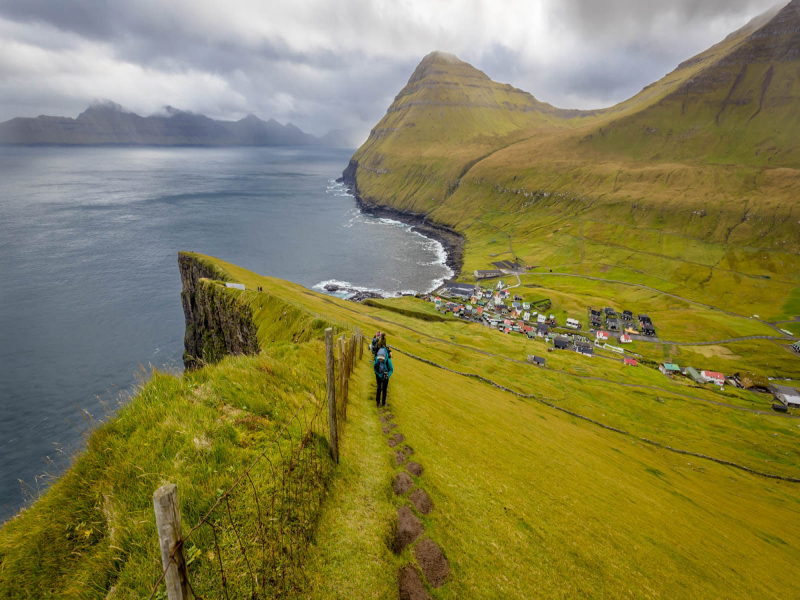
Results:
x,y
89,283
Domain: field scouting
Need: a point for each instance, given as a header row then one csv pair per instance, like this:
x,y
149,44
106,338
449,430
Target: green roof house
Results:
x,y
669,369
692,373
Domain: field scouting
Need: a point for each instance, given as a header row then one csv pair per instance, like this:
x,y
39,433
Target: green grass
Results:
x,y
94,529
351,556
527,500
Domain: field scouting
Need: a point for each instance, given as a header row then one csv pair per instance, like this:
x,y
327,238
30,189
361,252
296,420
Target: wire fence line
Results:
x,y
252,541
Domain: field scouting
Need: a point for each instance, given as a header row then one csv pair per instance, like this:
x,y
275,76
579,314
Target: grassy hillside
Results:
x,y
563,481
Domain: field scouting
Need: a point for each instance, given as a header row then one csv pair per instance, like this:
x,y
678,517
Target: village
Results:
x,y
497,306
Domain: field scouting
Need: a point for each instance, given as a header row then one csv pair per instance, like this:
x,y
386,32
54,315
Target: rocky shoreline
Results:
x,y
452,241
357,295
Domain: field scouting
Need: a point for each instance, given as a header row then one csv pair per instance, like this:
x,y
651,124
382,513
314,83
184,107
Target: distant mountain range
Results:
x,y
108,123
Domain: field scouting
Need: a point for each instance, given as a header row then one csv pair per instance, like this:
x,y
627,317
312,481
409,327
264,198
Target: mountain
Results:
x,y
447,117
108,123
740,108
709,152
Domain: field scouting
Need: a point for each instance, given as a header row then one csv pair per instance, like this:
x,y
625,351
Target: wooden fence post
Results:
x,y
360,345
168,524
331,395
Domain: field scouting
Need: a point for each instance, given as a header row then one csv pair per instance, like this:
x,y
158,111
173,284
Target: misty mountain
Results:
x,y
108,123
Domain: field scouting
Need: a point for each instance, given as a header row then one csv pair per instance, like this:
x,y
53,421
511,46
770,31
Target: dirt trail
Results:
x,y
430,558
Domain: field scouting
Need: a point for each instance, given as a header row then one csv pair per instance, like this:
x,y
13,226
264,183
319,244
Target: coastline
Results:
x,y
451,241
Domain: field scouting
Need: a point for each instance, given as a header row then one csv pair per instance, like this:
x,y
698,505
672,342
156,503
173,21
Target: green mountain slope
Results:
x,y
447,117
740,107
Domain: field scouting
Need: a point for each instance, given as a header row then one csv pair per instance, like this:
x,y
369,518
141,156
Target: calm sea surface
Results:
x,y
89,283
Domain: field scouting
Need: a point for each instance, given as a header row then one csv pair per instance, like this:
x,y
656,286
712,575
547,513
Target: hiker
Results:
x,y
383,370
373,345
382,344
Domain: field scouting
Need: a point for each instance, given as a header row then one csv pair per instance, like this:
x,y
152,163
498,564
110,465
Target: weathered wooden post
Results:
x,y
360,345
168,524
331,395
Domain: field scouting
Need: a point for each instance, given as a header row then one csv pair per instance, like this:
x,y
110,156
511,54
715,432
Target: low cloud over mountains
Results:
x,y
325,65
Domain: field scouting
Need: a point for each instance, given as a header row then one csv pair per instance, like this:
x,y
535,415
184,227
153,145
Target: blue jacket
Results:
x,y
388,364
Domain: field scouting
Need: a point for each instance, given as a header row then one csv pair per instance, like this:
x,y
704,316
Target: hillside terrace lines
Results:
x,y
563,372
544,400
678,259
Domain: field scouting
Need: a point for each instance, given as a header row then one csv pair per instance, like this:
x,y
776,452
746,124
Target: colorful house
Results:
x,y
602,336
713,377
669,369
625,339
629,362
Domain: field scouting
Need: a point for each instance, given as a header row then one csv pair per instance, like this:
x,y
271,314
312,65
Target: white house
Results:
x,y
713,377
526,316
789,396
541,319
573,324
526,305
602,336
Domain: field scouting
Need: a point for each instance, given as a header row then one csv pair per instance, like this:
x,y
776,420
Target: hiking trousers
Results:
x,y
380,392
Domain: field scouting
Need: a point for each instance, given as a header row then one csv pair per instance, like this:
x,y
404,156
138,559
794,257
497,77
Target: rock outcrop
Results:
x,y
217,324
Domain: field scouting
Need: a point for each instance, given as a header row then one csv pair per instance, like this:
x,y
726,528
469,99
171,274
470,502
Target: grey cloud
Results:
x,y
337,65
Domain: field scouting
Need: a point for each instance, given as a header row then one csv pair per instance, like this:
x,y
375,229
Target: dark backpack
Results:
x,y
382,368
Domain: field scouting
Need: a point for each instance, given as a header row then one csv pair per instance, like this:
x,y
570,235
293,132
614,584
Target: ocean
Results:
x,y
89,282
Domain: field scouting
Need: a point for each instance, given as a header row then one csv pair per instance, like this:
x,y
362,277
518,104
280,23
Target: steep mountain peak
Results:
x,y
441,64
785,22
776,40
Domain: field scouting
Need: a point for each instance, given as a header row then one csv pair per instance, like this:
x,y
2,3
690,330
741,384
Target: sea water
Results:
x,y
89,282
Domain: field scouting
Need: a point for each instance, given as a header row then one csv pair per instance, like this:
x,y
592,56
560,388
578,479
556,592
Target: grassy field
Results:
x,y
528,500
92,534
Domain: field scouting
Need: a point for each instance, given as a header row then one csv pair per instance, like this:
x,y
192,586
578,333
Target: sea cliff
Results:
x,y
217,324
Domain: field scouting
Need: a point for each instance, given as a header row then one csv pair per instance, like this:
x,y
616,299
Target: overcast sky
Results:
x,y
325,64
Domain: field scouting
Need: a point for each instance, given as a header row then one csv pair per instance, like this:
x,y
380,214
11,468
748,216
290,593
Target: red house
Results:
x,y
631,362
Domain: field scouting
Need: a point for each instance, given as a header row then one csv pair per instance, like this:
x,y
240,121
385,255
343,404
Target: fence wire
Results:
x,y
251,543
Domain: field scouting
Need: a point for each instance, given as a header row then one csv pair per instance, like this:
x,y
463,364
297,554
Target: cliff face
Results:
x,y
216,323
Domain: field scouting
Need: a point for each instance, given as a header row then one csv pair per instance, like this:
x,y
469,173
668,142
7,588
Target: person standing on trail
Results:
x,y
383,370
373,345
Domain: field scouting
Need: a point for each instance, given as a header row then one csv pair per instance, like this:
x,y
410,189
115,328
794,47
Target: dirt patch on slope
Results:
x,y
411,586
400,457
422,502
392,443
386,430
434,565
409,528
402,483
414,468
399,437
408,450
